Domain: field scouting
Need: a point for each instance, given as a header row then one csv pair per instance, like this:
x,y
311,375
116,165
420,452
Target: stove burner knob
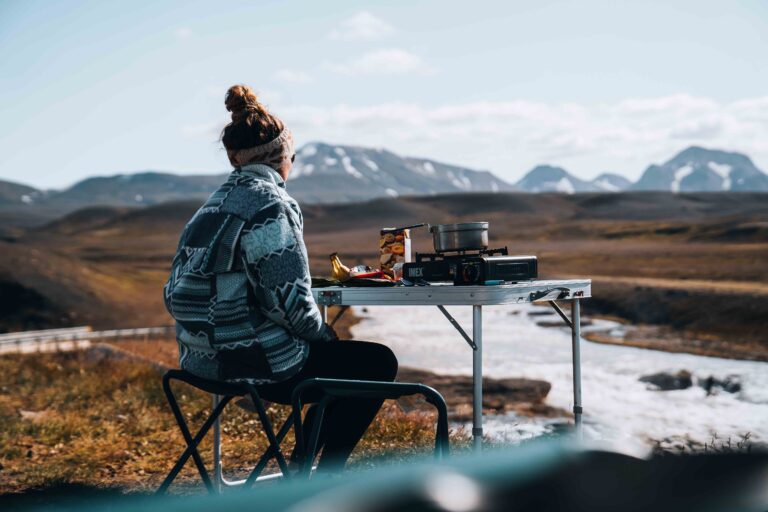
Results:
x,y
470,273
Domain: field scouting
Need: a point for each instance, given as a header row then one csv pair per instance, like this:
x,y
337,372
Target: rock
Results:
x,y
559,323
524,396
730,384
34,416
668,382
541,312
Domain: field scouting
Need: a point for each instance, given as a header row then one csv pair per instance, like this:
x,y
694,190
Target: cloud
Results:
x,y
701,129
291,76
182,33
510,137
203,131
676,102
362,26
391,61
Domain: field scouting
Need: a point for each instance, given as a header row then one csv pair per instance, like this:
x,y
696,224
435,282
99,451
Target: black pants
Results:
x,y
346,420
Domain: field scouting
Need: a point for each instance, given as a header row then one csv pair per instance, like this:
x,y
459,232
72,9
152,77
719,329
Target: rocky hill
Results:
x,y
697,169
17,194
546,178
325,173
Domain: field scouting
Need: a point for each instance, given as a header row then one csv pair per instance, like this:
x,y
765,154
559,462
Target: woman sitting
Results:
x,y
240,288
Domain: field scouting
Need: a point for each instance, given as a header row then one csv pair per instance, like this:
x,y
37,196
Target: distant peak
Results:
x,y
699,154
609,175
547,172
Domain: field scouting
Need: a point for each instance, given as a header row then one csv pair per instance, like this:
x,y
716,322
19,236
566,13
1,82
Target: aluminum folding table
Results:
x,y
447,295
476,296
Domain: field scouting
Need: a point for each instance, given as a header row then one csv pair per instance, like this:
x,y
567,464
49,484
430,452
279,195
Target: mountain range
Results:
x,y
325,173
336,174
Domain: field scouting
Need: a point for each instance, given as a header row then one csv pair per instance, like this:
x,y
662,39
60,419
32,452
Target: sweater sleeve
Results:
x,y
277,266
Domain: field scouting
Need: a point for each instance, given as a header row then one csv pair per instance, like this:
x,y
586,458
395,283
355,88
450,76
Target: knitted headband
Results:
x,y
273,153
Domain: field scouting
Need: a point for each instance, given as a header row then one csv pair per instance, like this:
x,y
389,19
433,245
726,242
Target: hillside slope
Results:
x,y
106,266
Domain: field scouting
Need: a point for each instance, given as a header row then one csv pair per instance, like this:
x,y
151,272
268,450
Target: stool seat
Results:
x,y
214,387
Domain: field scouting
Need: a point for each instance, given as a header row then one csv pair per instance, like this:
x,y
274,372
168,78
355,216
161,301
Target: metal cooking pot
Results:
x,y
465,236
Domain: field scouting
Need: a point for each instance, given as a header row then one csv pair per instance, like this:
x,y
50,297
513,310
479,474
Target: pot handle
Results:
x,y
389,230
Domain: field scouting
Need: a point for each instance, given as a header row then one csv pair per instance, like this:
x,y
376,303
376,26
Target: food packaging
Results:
x,y
394,247
366,272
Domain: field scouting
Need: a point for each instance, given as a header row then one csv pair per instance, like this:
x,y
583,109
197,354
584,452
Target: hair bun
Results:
x,y
240,100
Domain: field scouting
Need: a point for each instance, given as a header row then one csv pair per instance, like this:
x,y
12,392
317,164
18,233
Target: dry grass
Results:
x,y
93,418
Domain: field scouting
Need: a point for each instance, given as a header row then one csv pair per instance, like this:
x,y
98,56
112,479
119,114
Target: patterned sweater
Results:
x,y
239,287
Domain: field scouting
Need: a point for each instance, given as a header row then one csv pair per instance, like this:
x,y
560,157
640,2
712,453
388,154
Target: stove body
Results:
x,y
490,266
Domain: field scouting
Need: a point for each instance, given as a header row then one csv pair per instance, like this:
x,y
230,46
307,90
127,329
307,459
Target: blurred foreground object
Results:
x,y
552,475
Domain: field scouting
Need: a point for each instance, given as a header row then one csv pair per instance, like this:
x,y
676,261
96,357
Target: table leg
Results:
x,y
217,480
477,377
324,311
575,340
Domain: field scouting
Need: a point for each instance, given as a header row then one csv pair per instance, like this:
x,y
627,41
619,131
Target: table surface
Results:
x,y
447,294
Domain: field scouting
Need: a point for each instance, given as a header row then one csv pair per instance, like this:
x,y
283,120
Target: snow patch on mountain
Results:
x,y
308,150
564,185
301,169
347,163
680,175
724,170
370,163
461,182
606,185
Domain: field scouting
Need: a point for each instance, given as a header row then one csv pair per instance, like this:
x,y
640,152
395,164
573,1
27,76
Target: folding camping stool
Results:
x,y
227,391
339,389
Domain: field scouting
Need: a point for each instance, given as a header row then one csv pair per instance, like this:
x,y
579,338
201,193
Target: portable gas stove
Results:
x,y
487,266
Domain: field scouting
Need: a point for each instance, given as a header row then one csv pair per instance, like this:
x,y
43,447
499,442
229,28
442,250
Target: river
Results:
x,y
618,408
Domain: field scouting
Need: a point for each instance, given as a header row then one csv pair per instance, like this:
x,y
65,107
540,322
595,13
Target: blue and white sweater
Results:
x,y
240,289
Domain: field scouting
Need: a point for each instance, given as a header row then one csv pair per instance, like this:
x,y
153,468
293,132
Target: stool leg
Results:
x,y
441,432
217,469
314,437
274,444
192,449
441,438
269,453
298,429
192,443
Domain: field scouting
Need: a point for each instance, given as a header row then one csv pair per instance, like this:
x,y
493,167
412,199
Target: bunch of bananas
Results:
x,y
340,271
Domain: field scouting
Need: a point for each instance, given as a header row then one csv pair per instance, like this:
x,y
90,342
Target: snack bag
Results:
x,y
394,247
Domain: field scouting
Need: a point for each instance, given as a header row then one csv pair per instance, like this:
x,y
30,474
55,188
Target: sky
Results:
x,y
100,88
